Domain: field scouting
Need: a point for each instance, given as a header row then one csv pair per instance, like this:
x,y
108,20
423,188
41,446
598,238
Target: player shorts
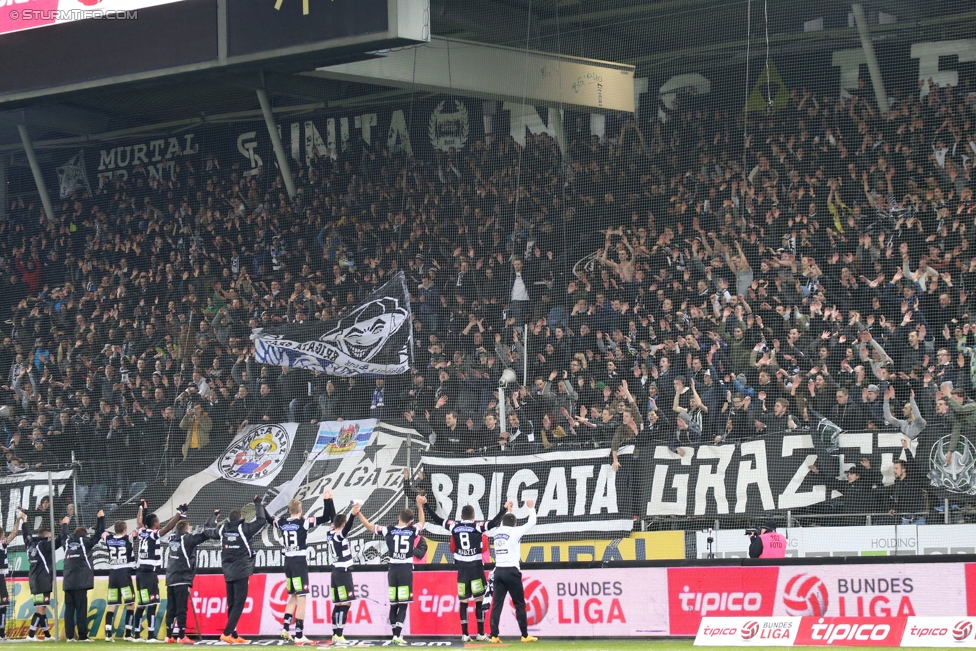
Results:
x,y
147,588
41,587
296,574
120,587
42,598
400,578
471,581
341,587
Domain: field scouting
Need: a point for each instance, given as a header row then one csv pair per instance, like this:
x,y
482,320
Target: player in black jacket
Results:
x,y
79,576
180,572
41,576
294,534
400,543
4,571
466,540
237,560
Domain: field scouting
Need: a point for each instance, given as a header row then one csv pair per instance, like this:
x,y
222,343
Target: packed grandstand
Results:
x,y
685,282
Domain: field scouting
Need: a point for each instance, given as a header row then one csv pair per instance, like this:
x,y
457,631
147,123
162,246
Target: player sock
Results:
x,y
299,627
394,609
3,621
129,615
286,622
401,617
137,621
343,612
479,613
42,624
35,619
151,622
463,611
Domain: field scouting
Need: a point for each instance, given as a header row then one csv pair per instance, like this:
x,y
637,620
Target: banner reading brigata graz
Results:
x,y
578,491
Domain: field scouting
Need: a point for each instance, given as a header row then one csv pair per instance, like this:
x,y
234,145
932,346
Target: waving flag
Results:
x,y
376,337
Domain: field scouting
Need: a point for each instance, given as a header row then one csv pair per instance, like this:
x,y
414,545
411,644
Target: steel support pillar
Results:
x,y
872,60
36,170
279,149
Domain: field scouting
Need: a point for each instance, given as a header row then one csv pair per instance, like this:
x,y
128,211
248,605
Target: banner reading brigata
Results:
x,y
575,492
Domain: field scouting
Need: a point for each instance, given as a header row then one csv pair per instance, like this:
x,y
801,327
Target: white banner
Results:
x,y
941,632
747,631
256,455
900,540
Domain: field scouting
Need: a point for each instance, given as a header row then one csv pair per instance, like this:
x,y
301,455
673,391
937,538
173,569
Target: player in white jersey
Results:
x,y
508,576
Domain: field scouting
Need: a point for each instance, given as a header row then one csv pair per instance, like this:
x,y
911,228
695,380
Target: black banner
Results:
x,y
376,337
578,492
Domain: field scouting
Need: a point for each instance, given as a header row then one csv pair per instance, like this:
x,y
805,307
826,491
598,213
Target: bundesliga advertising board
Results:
x,y
930,604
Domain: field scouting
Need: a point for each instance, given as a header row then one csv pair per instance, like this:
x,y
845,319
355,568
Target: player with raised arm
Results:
x,y
341,587
402,545
294,533
466,542
508,576
41,576
79,575
150,561
181,569
237,562
4,572
121,562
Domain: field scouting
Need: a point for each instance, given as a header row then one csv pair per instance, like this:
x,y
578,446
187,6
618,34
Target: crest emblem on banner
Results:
x,y
72,176
959,476
448,130
257,455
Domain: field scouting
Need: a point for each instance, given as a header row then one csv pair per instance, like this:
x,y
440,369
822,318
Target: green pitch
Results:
x,y
543,645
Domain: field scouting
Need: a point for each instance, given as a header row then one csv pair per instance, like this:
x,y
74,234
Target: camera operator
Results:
x,y
766,542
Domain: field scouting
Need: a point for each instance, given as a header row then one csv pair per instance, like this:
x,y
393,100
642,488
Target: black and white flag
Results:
x,y
376,337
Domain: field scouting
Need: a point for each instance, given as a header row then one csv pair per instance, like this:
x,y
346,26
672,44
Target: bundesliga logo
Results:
x,y
749,630
806,596
962,631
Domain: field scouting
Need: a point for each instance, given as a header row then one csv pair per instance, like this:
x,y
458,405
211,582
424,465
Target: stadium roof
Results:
x,y
646,33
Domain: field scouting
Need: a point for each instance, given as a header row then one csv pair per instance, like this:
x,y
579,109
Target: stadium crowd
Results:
x,y
690,281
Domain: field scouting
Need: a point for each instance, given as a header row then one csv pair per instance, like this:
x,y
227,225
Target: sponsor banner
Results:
x,y
575,492
342,439
696,592
850,631
22,608
746,631
559,603
209,597
369,614
875,591
375,337
893,540
942,632
256,455
643,546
